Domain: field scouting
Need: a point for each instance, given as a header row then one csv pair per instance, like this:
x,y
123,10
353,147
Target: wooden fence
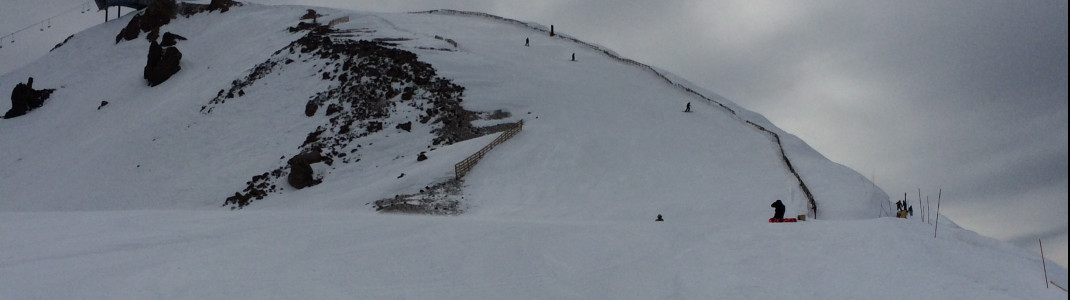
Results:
x,y
463,167
810,197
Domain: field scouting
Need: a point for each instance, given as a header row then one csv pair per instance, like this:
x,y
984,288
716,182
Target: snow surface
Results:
x,y
124,202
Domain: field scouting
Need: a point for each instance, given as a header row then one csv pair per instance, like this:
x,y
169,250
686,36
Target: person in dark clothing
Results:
x,y
527,42
659,219
688,109
778,210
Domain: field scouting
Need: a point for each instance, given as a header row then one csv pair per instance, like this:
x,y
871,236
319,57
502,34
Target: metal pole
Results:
x,y
941,191
1043,263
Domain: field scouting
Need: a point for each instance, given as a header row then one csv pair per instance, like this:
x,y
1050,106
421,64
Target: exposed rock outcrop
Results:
x,y
159,13
163,60
24,99
371,80
301,174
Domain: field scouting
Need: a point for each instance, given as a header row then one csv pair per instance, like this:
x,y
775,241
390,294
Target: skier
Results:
x,y
778,211
527,42
659,219
688,109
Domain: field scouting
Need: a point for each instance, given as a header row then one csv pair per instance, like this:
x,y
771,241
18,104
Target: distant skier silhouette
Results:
x,y
688,109
659,219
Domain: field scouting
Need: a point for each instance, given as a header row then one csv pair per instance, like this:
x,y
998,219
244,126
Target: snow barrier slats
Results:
x,y
466,165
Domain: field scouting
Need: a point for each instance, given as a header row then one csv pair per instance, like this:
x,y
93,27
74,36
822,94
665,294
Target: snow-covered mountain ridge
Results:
x,y
311,80
565,206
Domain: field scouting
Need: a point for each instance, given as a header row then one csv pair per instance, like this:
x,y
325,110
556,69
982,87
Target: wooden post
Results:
x,y
938,193
1043,263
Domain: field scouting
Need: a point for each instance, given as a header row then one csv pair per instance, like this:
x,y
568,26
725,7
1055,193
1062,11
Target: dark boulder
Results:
x,y
162,63
333,109
158,14
24,99
150,20
171,39
310,108
301,175
131,31
407,126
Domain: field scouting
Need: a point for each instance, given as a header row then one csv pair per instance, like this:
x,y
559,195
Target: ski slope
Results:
x,y
124,202
182,254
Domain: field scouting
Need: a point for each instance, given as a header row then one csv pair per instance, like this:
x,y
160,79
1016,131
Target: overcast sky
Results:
x,y
967,96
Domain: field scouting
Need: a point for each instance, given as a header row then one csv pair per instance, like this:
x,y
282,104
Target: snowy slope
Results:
x,y
339,255
124,201
619,119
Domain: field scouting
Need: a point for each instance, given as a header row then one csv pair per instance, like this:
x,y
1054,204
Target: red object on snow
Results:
x,y
784,220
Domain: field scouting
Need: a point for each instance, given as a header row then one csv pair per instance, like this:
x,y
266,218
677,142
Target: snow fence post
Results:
x,y
937,226
919,206
1043,263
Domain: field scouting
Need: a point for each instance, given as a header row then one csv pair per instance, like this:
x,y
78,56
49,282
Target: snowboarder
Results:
x,y
778,210
659,219
688,109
